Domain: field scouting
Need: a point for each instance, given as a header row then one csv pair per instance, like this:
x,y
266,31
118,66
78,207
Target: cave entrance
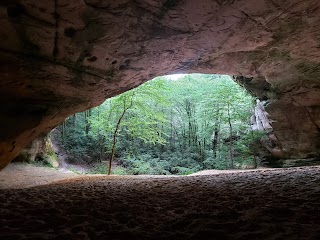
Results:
x,y
175,124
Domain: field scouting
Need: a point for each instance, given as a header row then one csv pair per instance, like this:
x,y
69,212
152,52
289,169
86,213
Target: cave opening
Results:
x,y
174,124
61,57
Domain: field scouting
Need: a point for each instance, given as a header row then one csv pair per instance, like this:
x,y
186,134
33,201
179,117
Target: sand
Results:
x,y
19,175
264,204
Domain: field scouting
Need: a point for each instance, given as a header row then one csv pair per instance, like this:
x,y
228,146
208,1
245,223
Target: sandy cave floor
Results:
x,y
264,204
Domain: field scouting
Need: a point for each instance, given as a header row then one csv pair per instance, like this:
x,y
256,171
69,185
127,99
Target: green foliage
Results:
x,y
145,164
99,169
76,171
42,163
169,127
51,160
120,171
182,170
78,143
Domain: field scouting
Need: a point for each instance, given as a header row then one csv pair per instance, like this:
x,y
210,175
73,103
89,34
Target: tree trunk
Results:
x,y
230,143
171,141
87,115
113,149
101,138
74,120
215,134
63,130
215,143
177,137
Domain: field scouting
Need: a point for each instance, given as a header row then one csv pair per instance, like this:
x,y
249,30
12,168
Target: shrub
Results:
x,y
119,171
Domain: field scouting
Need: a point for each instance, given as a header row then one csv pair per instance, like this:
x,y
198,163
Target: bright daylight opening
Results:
x,y
175,76
175,124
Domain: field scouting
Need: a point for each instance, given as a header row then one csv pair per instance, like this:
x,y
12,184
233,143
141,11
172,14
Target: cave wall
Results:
x,y
58,57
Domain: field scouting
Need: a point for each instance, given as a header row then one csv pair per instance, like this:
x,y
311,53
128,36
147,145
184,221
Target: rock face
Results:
x,y
41,149
58,57
260,120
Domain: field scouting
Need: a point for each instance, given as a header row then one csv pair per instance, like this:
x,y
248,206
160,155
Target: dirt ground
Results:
x,y
19,175
264,204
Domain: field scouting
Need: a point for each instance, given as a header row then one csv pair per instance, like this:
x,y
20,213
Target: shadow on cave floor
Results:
x,y
277,204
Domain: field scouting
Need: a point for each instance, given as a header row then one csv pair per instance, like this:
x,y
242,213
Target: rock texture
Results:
x,y
260,120
58,57
270,205
41,150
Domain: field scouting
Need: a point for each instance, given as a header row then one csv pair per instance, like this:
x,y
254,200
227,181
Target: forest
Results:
x,y
165,126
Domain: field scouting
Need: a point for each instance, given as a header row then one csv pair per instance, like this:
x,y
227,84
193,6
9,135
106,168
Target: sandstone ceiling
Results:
x,y
63,56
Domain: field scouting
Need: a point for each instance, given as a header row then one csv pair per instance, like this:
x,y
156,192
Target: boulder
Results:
x,y
39,150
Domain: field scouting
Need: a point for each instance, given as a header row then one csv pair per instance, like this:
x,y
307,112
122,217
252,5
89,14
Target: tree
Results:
x,y
133,112
165,126
127,100
234,106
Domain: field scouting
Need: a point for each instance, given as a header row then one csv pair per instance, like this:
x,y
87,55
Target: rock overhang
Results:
x,y
59,57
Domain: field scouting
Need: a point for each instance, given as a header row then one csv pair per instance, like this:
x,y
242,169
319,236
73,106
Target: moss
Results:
x,y
51,160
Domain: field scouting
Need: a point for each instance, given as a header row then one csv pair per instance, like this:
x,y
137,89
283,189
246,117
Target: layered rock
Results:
x,y
260,120
39,150
62,56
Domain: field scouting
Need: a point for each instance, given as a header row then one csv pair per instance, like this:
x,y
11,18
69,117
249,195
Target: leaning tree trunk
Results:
x,y
115,134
